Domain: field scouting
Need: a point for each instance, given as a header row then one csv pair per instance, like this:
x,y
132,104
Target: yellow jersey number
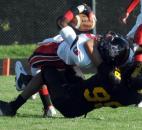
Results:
x,y
104,99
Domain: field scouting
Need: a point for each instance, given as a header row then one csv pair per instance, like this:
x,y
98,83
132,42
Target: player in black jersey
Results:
x,y
73,96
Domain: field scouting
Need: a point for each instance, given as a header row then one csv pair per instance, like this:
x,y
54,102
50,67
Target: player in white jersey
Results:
x,y
130,8
73,50
72,54
81,50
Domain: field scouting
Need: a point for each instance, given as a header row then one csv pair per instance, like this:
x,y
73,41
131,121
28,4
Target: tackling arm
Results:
x,y
132,6
91,48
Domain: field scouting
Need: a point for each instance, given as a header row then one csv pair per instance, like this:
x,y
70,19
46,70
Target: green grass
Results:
x,y
29,117
16,51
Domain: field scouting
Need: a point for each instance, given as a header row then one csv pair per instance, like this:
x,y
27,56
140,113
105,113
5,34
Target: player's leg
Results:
x,y
65,95
49,110
46,54
22,79
10,109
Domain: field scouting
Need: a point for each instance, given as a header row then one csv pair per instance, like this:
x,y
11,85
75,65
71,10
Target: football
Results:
x,y
82,22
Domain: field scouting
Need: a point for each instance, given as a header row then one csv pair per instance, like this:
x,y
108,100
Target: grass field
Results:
x,y
16,51
29,117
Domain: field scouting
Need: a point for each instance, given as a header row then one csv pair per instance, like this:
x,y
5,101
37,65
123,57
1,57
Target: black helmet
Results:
x,y
114,49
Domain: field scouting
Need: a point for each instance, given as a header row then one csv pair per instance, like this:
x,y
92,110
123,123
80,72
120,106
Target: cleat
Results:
x,y
20,74
34,96
50,112
140,104
5,109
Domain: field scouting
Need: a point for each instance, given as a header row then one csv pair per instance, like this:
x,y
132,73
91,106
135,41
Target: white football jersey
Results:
x,y
74,53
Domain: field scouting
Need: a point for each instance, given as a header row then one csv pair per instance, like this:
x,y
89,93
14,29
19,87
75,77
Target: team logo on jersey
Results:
x,y
76,51
113,50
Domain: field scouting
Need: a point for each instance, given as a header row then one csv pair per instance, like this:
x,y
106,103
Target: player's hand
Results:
x,y
89,12
124,19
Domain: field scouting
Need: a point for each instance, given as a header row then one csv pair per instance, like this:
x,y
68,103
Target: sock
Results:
x,y
17,103
45,97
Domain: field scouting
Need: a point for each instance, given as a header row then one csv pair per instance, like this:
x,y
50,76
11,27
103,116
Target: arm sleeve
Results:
x,y
55,39
68,34
133,4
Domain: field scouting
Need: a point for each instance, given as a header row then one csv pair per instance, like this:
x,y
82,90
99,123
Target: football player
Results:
x,y
117,53
136,32
72,95
37,60
23,78
130,8
136,35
